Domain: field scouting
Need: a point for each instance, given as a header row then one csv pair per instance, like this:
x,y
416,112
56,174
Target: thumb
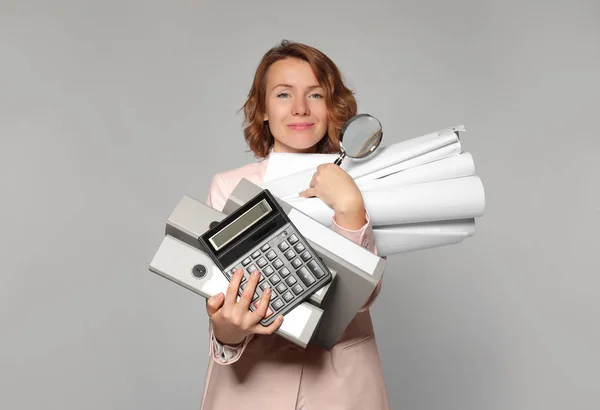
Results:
x,y
214,303
307,193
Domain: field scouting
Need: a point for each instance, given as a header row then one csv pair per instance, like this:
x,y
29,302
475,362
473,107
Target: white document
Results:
x,y
282,164
391,243
396,239
456,166
456,198
384,161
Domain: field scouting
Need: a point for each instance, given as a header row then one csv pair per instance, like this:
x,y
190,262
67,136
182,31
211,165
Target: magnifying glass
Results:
x,y
360,136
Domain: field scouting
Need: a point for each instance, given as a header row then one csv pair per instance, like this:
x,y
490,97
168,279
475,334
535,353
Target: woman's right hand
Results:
x,y
231,319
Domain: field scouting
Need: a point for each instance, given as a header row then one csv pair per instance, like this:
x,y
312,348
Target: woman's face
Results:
x,y
295,106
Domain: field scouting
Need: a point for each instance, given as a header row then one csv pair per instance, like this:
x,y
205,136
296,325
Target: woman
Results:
x,y
298,103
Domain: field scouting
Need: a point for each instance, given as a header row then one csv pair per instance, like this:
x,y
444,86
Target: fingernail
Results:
x,y
268,291
255,273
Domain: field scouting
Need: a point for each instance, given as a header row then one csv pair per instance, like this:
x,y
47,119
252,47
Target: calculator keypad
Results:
x,y
286,266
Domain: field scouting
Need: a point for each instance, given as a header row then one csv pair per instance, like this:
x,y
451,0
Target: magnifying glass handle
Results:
x,y
339,159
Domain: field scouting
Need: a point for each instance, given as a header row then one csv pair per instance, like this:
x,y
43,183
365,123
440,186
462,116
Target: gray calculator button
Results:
x,y
251,268
265,247
315,269
293,239
297,289
278,264
305,276
284,272
255,296
283,246
268,271
276,304
256,254
275,279
271,255
296,263
243,286
288,296
281,287
265,285
290,254
261,262
290,281
299,247
306,256
246,261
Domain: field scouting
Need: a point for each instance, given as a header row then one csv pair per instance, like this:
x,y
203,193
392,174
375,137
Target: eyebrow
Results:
x,y
291,86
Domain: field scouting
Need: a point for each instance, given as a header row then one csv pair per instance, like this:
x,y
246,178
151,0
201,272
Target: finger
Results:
x,y
214,303
262,307
267,330
310,192
232,289
248,293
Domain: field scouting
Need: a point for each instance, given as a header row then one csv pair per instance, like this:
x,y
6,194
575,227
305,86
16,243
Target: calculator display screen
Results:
x,y
240,224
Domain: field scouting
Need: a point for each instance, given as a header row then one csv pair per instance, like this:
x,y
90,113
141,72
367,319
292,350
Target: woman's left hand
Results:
x,y
338,190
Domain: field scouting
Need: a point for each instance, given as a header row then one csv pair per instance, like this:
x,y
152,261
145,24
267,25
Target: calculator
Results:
x,y
260,236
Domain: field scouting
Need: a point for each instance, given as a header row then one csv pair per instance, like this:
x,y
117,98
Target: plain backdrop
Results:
x,y
111,111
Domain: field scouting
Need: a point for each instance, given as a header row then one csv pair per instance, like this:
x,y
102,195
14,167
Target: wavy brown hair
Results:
x,y
339,99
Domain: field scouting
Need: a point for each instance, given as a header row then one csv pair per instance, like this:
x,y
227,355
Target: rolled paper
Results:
x,y
449,199
292,179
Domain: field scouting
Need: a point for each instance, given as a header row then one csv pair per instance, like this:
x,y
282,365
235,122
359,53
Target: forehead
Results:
x,y
291,71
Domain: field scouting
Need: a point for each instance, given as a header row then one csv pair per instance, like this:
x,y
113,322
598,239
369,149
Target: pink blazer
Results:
x,y
269,372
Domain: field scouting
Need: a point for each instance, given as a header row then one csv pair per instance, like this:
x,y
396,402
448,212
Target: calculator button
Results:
x,y
305,276
281,288
278,264
261,262
296,263
297,289
264,285
251,268
315,269
268,271
271,255
299,247
265,247
275,279
306,256
277,304
291,281
243,286
255,296
283,246
256,254
290,254
288,296
293,239
246,261
284,272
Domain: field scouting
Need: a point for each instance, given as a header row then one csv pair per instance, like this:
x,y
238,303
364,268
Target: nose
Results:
x,y
300,107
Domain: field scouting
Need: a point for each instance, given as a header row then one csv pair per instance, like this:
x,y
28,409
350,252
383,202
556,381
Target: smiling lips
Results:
x,y
301,126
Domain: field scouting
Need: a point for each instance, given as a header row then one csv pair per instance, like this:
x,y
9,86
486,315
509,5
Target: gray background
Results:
x,y
111,111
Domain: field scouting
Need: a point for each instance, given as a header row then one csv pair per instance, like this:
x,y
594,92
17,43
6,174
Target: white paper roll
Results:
x,y
457,198
384,161
453,167
391,243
